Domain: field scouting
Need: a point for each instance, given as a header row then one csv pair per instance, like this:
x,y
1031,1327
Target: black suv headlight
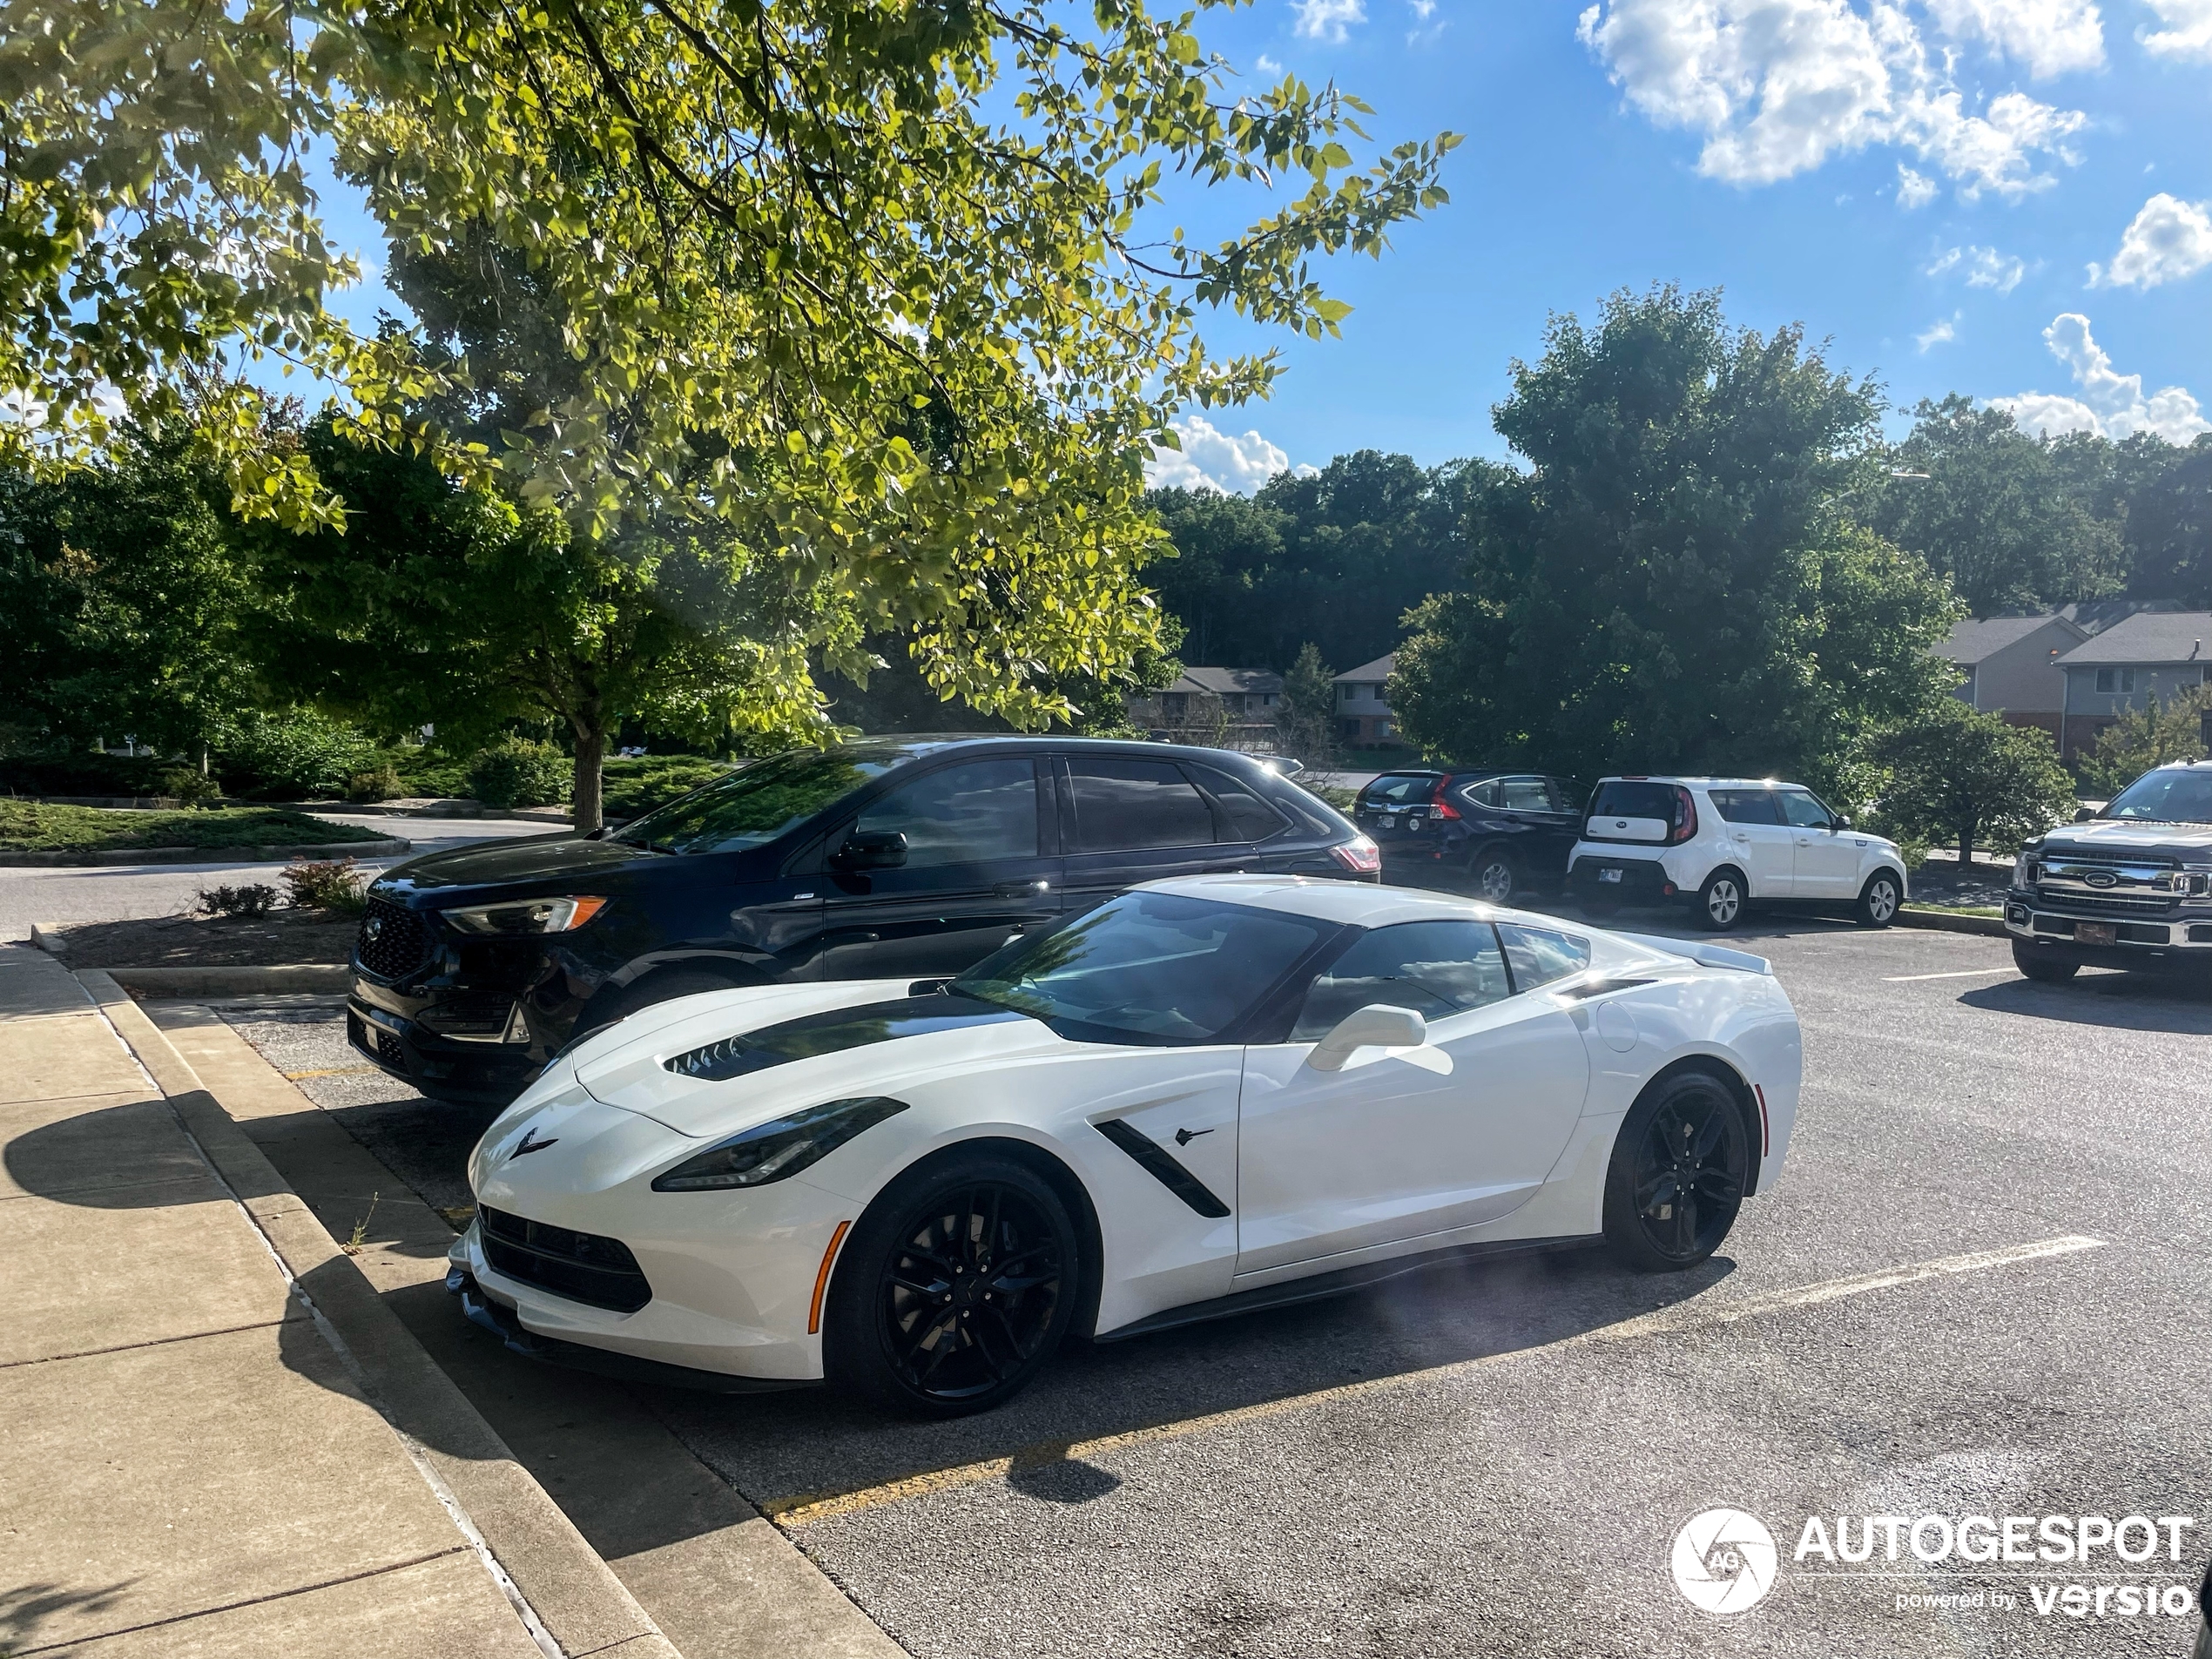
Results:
x,y
783,1146
530,916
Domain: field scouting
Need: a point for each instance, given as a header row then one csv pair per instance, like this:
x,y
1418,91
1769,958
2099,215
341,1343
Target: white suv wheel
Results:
x,y
1721,901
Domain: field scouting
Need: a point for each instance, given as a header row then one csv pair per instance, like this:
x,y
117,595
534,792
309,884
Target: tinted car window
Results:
x,y
1127,806
1483,794
1538,956
2175,797
1634,800
1244,816
756,805
1436,968
1803,810
1147,968
1746,806
987,809
1524,795
1400,789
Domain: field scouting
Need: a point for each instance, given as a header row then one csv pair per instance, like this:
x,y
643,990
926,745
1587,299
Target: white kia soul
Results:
x,y
1718,844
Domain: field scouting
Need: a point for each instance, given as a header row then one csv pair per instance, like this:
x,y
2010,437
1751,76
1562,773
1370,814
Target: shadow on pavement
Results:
x,y
2124,1002
25,1607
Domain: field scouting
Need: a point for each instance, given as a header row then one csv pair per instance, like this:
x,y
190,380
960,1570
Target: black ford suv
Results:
x,y
908,858
2128,886
1506,831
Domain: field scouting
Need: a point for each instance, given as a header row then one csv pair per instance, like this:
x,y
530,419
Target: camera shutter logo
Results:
x,y
1724,1560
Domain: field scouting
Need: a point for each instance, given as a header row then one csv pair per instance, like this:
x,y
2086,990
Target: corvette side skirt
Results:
x,y
1342,1282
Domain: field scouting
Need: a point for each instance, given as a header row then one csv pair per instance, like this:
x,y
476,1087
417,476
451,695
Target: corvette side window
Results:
x,y
1436,968
1538,956
967,814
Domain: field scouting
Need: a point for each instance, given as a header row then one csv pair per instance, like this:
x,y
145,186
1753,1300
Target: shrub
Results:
x,y
249,902
380,782
188,786
297,752
2142,738
641,783
1970,778
518,772
327,884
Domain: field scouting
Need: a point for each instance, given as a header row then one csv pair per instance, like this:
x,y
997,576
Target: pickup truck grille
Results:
x,y
2091,902
2106,885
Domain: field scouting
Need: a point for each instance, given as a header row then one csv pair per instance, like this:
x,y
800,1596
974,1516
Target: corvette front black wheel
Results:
x,y
1677,1175
955,1289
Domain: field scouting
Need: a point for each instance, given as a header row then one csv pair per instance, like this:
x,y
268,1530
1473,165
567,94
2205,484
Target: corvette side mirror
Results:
x,y
1377,1026
872,850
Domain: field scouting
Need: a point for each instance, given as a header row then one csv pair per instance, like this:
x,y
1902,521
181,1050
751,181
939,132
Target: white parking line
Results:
x,y
806,1508
1962,973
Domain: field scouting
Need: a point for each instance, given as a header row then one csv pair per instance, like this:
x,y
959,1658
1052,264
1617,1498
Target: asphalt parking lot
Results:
x,y
1980,1288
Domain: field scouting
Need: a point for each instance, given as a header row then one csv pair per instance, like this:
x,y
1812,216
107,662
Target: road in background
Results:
x,y
131,892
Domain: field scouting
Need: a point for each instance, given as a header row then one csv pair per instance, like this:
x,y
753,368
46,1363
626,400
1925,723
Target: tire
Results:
x,y
1686,1135
1720,901
1878,900
2032,961
1496,875
927,1316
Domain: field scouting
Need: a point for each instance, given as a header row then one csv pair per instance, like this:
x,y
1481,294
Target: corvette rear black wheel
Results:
x,y
953,1290
1677,1175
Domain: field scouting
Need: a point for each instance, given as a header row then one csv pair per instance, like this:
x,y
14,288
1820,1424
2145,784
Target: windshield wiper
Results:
x,y
644,846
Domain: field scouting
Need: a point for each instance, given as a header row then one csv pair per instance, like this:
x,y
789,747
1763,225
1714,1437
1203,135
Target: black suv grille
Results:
x,y
393,940
583,1267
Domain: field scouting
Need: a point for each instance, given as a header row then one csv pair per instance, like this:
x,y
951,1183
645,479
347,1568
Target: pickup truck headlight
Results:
x,y
531,916
781,1147
2024,870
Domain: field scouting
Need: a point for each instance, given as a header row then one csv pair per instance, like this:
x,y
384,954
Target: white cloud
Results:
x,y
1423,9
2049,36
1212,459
2170,240
1779,86
1985,268
1941,331
1268,65
2187,33
1328,20
1914,189
2109,402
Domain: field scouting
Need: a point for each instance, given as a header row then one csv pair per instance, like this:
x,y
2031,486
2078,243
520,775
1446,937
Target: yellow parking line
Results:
x,y
805,1509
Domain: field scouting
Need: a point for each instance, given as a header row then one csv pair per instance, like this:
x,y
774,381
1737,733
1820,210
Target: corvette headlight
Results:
x,y
784,1146
531,916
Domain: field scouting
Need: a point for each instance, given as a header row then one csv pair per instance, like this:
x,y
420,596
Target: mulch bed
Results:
x,y
278,939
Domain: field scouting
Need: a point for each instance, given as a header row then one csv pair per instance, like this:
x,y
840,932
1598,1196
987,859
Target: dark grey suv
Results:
x,y
910,859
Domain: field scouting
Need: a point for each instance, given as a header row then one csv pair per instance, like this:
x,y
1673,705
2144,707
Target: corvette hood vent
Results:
x,y
834,1032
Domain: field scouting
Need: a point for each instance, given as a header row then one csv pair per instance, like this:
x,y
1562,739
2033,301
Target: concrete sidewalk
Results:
x,y
188,1466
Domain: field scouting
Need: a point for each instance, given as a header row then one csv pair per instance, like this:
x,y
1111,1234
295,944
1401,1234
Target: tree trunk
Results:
x,y
1966,844
591,729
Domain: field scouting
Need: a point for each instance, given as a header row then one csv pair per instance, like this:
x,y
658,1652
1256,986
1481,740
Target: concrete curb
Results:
x,y
234,981
1944,921
385,847
574,1594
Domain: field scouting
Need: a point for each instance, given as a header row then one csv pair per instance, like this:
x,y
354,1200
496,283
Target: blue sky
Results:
x,y
1928,185
2008,198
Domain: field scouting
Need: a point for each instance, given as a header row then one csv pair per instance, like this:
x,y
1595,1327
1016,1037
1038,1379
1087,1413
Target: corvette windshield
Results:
x,y
2178,796
1148,967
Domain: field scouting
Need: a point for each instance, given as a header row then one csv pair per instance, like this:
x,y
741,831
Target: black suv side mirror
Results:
x,y
871,850
2083,814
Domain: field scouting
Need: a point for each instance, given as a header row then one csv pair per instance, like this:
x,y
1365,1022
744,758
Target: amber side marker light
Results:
x,y
821,1279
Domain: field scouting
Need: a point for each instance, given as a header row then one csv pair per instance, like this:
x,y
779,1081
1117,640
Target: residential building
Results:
x,y
1233,708
2158,654
1363,717
2009,665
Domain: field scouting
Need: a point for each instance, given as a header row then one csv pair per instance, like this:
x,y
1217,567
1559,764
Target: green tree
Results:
x,y
2012,520
1307,720
1968,777
2145,738
1674,586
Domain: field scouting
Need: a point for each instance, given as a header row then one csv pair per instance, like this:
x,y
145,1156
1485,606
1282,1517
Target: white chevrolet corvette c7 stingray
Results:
x,y
1206,1095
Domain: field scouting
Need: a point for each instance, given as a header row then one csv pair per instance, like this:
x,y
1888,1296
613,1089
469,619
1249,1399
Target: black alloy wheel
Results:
x,y
1677,1175
953,1292
1497,881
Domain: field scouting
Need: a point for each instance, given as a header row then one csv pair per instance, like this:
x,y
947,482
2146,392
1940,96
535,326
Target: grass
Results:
x,y
1957,909
32,826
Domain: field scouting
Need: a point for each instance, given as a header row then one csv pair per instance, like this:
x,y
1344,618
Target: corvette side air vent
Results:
x,y
1590,988
1162,1168
720,1061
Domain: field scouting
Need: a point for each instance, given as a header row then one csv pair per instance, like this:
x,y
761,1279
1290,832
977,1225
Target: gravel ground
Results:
x,y
1434,1469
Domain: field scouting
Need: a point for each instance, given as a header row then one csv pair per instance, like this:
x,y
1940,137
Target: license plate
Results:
x,y
1608,875
2096,932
